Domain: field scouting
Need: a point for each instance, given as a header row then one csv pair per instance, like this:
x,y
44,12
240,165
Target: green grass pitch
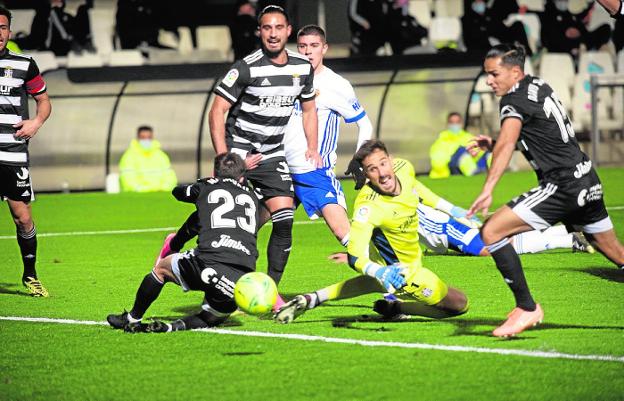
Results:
x,y
90,275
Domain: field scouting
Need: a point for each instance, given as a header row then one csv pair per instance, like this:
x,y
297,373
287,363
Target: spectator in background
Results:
x,y
144,167
481,23
449,155
243,29
137,25
563,32
367,22
404,31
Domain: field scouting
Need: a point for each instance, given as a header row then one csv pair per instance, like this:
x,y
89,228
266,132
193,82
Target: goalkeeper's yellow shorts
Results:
x,y
423,285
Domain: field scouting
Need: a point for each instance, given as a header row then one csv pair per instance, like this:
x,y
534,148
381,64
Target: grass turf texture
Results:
x,y
89,276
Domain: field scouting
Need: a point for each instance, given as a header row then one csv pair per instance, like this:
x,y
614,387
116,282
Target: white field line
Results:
x,y
131,231
350,341
159,229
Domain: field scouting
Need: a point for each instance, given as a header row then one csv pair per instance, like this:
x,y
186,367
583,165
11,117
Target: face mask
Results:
x,y
562,5
454,128
478,7
145,143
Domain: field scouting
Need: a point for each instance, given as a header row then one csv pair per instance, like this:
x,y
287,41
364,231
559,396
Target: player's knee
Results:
x,y
488,234
455,303
23,223
282,223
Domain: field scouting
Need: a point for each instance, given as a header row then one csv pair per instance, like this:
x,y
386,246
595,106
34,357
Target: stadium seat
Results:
x,y
124,58
445,30
599,16
21,21
532,5
215,39
582,106
46,60
102,22
449,8
84,60
483,106
420,10
532,27
558,67
168,38
185,45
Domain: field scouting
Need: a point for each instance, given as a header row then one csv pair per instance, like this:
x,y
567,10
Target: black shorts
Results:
x,y
578,203
215,279
272,178
15,183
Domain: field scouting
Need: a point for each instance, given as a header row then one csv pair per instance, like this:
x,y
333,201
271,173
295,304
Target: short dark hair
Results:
x,y
229,165
144,128
5,11
272,8
312,30
367,148
509,54
453,113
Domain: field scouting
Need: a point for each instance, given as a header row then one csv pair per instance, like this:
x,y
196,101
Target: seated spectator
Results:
x,y
243,29
144,167
405,31
136,24
56,30
449,155
563,32
367,22
481,24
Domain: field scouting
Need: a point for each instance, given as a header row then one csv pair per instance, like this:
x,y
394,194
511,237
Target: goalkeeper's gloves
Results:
x,y
390,277
355,170
459,213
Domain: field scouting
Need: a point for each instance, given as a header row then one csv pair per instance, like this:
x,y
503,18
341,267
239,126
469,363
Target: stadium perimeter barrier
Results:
x,y
611,81
96,112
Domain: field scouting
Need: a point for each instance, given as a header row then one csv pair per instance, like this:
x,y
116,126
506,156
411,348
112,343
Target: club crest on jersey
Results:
x,y
296,80
8,72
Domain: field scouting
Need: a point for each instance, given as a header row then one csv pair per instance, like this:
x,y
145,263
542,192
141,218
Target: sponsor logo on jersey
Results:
x,y
329,195
230,78
227,242
591,194
355,104
582,168
296,80
26,193
276,101
5,90
225,285
265,82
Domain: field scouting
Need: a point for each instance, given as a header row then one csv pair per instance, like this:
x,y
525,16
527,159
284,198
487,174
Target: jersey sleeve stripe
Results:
x,y
356,118
224,94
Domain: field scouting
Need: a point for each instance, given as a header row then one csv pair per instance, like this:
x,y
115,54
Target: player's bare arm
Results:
x,y
28,128
612,6
216,120
501,155
310,127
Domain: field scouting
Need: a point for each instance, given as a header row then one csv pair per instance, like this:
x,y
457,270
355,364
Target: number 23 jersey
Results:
x,y
228,220
547,138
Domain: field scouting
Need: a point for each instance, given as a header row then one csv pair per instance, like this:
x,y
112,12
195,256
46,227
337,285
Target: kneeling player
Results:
x,y
228,226
385,213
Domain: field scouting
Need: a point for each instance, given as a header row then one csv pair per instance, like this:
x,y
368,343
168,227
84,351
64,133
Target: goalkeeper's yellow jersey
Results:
x,y
390,222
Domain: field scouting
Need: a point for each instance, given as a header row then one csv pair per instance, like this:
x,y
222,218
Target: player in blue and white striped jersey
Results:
x,y
317,188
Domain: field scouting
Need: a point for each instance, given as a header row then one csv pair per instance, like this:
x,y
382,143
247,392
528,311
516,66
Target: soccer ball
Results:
x,y
255,293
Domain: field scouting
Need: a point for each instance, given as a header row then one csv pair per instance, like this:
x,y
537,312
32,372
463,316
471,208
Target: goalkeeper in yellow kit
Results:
x,y
385,214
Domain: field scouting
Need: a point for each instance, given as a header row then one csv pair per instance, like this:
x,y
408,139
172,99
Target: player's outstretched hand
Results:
x,y
481,142
391,277
252,160
460,215
481,204
355,170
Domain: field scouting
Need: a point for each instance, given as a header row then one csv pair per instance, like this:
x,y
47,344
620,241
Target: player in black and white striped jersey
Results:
x,y
19,78
259,93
